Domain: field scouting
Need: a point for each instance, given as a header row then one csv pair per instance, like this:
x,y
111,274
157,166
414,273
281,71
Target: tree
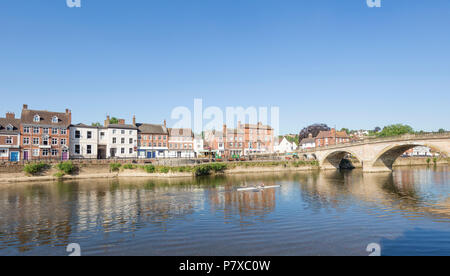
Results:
x,y
395,130
114,120
97,124
377,129
441,130
346,130
312,129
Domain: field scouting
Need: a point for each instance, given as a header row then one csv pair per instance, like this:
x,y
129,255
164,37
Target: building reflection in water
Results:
x,y
33,215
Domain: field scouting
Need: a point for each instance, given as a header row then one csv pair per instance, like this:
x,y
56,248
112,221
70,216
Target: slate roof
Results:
x,y
308,141
119,126
15,123
85,126
152,129
45,118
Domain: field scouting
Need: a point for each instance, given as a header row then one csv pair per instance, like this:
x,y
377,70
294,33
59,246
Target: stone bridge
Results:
x,y
378,154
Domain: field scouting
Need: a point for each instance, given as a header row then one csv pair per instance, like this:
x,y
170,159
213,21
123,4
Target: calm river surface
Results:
x,y
326,213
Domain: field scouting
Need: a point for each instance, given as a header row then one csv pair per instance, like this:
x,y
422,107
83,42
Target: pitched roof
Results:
x,y
46,117
181,132
121,126
84,126
5,122
152,129
308,141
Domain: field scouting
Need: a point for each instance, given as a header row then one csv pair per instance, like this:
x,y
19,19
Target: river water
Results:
x,y
324,213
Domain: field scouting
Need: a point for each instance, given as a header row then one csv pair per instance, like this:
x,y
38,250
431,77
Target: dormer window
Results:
x,y
9,128
55,120
37,118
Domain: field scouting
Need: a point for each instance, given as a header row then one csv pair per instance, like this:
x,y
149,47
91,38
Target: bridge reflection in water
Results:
x,y
189,216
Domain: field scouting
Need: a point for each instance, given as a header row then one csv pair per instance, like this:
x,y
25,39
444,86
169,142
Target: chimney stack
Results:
x,y
10,115
121,121
165,124
25,106
134,120
107,121
310,136
69,116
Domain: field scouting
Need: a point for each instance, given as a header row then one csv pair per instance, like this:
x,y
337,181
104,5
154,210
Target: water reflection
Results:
x,y
37,217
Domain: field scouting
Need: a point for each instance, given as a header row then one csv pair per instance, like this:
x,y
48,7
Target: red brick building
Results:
x,y
332,137
10,138
44,134
248,139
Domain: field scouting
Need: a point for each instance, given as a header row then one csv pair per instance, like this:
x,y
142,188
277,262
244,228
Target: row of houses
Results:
x,y
40,134
325,139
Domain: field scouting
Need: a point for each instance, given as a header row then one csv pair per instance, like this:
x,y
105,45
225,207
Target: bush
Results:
x,y
149,168
66,167
163,169
35,168
59,174
218,167
129,167
115,167
202,170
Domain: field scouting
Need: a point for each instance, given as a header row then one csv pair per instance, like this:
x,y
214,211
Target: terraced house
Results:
x,y
121,139
153,140
44,134
10,138
181,143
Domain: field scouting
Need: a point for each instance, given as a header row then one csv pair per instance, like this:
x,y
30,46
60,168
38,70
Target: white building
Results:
x,y
83,141
120,139
421,151
198,146
285,146
308,143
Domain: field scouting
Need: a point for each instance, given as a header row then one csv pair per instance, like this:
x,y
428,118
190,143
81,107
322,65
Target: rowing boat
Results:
x,y
258,188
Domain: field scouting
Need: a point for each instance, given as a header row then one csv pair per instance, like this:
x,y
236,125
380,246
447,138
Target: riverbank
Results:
x,y
52,173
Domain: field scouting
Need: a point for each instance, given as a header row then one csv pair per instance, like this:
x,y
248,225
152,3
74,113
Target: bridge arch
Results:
x,y
334,159
387,157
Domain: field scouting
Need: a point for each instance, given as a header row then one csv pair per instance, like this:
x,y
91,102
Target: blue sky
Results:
x,y
331,61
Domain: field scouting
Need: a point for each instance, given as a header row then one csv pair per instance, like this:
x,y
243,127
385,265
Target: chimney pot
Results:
x,y
25,106
134,120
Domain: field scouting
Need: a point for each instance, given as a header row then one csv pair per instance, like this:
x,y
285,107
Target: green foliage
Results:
x,y
66,167
35,168
163,169
149,168
114,120
435,160
59,174
428,161
115,167
97,124
395,130
442,130
129,167
202,170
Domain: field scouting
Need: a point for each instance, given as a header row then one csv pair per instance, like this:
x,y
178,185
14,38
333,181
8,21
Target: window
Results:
x,y
55,120
89,149
131,140
26,129
63,131
9,127
122,131
3,153
45,141
159,144
131,150
77,134
165,145
36,118
35,152
63,142
131,132
122,140
35,130
77,149
26,141
89,134
102,135
54,141
45,152
35,141
45,130
54,152
54,131
9,140
114,131
114,140
122,150
165,138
